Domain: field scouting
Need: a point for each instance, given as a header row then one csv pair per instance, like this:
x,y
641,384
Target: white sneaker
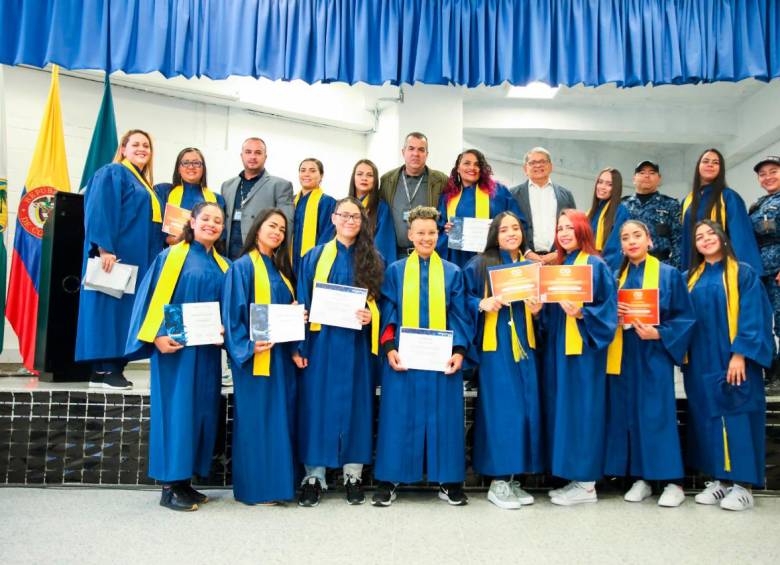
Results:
x,y
712,494
638,492
738,498
227,380
501,495
559,491
672,496
525,498
577,494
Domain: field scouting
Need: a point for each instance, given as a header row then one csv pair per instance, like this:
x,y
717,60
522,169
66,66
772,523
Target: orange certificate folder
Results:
x,y
174,219
515,282
566,282
643,303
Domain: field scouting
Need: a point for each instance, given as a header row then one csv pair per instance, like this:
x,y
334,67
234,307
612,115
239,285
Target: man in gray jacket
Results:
x,y
413,184
253,190
541,201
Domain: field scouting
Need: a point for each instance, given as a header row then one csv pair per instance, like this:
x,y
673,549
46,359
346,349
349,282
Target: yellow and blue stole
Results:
x,y
573,337
310,217
437,301
176,194
482,204
156,213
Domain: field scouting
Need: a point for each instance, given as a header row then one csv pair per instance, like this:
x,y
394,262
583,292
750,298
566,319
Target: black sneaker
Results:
x,y
354,487
96,380
196,496
116,381
384,495
311,492
453,494
175,498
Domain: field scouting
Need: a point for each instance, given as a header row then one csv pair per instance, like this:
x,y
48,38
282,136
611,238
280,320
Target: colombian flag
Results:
x,y
48,173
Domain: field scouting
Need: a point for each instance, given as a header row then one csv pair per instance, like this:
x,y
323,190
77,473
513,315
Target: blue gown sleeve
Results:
x,y
740,230
134,347
754,326
599,318
162,191
384,236
390,295
677,323
457,317
236,291
103,208
475,287
612,252
304,289
325,228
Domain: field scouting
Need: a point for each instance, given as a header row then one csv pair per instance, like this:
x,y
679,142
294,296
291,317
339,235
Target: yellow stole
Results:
x,y
437,301
713,212
482,204
489,333
321,273
177,193
163,291
262,361
650,279
156,214
600,235
573,337
309,220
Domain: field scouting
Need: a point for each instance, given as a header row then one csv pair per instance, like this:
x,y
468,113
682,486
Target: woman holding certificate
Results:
x,y
469,200
657,318
426,333
122,223
336,388
263,372
364,185
185,384
607,214
732,340
507,425
578,333
313,210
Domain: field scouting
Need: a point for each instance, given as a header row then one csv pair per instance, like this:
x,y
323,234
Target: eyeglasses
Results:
x,y
537,163
191,164
346,217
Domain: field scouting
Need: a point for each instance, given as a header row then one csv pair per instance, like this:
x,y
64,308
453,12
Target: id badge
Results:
x,y
406,215
768,226
237,216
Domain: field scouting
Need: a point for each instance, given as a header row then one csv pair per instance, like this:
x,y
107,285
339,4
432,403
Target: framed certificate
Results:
x,y
174,219
643,303
468,234
515,282
558,283
425,350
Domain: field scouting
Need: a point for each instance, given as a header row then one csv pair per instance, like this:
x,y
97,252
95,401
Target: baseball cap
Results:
x,y
773,159
646,163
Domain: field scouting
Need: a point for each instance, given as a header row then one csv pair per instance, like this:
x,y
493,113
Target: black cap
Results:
x,y
643,164
773,159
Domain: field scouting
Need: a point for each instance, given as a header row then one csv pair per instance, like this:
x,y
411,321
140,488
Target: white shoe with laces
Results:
x,y
713,493
559,491
738,498
501,495
638,492
672,496
525,498
577,494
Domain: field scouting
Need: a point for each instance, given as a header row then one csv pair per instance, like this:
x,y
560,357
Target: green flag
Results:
x,y
104,139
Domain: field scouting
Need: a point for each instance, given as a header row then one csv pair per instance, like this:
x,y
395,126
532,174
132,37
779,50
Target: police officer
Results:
x,y
765,216
659,212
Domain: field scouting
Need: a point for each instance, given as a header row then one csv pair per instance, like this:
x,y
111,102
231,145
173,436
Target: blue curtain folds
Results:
x,y
462,42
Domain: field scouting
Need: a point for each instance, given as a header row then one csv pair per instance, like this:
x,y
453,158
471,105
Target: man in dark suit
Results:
x,y
253,190
541,202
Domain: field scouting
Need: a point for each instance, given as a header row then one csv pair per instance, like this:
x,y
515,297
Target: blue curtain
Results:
x,y
463,42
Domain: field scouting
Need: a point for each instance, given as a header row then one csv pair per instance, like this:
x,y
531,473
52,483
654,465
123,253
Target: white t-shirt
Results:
x,y
544,207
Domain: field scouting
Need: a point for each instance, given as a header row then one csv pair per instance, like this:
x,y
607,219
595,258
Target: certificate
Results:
x,y
337,305
514,282
194,323
120,281
566,282
277,323
468,234
425,350
643,303
174,219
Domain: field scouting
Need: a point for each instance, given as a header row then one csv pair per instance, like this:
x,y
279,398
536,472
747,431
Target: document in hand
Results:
x,y
468,234
277,323
337,305
120,281
514,282
642,304
194,323
174,219
425,350
558,283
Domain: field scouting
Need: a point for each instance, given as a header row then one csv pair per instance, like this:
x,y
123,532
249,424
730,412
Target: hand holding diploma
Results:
x,y
166,344
571,309
454,364
107,260
492,304
364,315
534,305
261,346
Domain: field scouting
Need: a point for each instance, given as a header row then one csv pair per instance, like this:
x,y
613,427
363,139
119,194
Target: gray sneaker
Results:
x,y
525,498
501,495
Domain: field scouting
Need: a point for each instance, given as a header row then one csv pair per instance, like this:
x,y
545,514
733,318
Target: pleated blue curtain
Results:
x,y
463,42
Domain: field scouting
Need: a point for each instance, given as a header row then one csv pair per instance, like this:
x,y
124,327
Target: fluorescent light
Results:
x,y
537,90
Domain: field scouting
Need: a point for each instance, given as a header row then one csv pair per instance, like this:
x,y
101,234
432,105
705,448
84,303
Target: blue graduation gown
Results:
x,y
738,227
325,228
574,386
501,201
642,436
384,233
421,412
336,390
118,218
185,385
507,424
264,414
710,353
612,252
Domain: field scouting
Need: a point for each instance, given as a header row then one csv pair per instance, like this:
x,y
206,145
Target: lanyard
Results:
x,y
416,188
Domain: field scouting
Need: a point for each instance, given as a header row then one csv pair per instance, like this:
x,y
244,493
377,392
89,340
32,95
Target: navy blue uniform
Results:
x,y
765,216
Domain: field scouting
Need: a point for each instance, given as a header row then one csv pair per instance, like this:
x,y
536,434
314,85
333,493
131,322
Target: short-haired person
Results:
x,y
541,201
642,437
185,382
312,224
659,212
364,185
252,190
711,198
607,214
732,340
336,386
507,424
765,216
575,364
412,184
421,412
470,192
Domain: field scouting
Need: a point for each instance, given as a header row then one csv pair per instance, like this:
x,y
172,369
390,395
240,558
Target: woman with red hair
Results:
x,y
575,364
